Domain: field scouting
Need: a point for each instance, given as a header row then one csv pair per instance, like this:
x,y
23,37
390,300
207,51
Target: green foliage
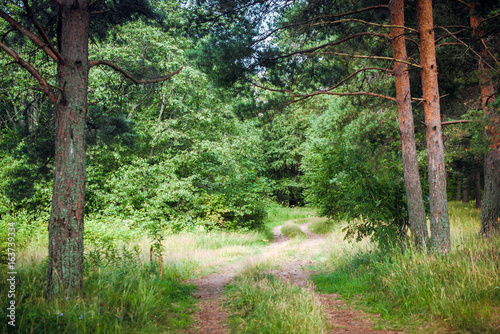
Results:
x,y
352,165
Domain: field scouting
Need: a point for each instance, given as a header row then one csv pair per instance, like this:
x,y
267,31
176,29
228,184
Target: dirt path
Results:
x,y
293,260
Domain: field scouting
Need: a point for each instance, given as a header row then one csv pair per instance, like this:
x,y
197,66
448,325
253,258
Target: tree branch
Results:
x,y
449,35
349,94
328,91
368,57
45,86
467,46
311,50
365,22
31,14
458,122
37,40
129,76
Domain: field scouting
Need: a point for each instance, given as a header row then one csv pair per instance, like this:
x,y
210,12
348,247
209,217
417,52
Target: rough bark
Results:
x,y
490,205
440,227
68,201
466,190
416,209
477,184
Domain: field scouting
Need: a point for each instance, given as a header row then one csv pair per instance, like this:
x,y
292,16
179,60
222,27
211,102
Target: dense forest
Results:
x,y
124,119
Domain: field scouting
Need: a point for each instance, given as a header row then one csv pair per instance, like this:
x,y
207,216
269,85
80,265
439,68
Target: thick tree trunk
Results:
x,y
68,201
466,190
490,205
440,227
459,189
477,183
416,209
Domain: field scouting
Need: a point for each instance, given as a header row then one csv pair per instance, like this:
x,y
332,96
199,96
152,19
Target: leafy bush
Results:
x,y
353,169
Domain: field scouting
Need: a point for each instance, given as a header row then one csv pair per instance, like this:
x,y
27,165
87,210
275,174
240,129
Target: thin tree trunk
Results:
x,y
459,189
416,209
68,201
477,183
440,227
466,190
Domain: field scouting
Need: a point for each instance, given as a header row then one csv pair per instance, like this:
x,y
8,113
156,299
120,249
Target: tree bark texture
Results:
x,y
440,226
490,204
477,184
466,190
416,209
65,268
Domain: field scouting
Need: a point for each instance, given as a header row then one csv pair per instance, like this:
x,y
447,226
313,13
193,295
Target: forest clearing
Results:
x,y
250,166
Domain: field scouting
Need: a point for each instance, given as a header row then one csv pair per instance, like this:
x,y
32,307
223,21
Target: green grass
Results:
x,y
122,291
261,303
125,297
292,230
278,214
322,225
458,291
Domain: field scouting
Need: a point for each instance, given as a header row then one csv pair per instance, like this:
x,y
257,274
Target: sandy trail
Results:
x,y
293,258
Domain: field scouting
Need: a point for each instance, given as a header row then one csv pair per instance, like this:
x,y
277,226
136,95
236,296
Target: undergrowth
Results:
x,y
458,291
122,297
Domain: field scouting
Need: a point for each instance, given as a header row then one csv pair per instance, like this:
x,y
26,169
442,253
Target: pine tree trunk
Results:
x,y
477,183
416,209
490,204
68,201
466,190
440,227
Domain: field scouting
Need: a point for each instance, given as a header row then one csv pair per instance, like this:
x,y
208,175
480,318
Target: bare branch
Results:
x,y
368,57
131,77
31,14
37,40
272,89
350,94
449,35
45,86
365,22
489,52
448,44
459,122
311,50
356,11
467,46
328,91
489,18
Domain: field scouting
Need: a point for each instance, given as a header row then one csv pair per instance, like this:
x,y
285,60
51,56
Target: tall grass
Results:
x,y
122,290
458,291
126,297
261,303
292,230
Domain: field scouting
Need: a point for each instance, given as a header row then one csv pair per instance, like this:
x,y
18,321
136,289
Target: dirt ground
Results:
x,y
211,318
